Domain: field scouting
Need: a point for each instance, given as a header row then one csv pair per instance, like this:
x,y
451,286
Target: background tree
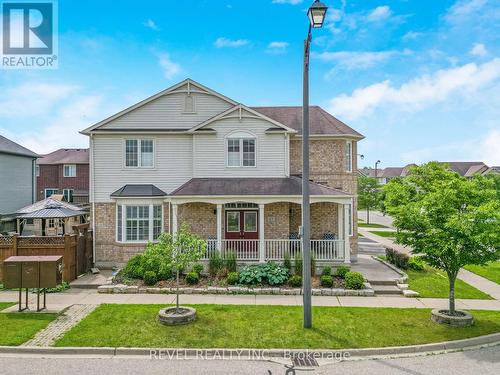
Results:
x,y
450,220
368,194
180,250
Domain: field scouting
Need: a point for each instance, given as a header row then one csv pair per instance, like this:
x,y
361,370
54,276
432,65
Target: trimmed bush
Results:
x,y
326,271
230,261
215,264
297,265
233,278
416,264
354,280
198,268
287,261
397,258
326,281
342,271
150,278
134,269
165,272
192,278
295,281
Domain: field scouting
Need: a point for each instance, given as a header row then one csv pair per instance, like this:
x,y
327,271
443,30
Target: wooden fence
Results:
x,y
69,246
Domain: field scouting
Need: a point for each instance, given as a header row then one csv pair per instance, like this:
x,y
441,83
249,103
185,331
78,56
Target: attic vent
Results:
x,y
189,104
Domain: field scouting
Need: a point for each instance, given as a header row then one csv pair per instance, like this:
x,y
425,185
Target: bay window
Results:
x,y
139,153
138,223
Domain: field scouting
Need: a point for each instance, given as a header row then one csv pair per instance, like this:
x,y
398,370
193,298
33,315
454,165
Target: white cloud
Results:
x,y
293,2
150,24
417,93
277,47
463,9
411,35
479,49
379,13
170,68
225,42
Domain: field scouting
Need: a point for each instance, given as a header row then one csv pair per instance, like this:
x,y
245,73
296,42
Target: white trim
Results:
x,y
70,167
72,194
170,90
258,199
348,157
262,243
133,203
45,192
219,226
139,153
241,139
353,137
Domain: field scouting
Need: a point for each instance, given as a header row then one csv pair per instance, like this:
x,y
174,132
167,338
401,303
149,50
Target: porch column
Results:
x,y
219,227
347,247
262,243
174,218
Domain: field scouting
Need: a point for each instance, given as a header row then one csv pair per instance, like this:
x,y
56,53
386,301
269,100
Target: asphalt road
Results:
x,y
482,361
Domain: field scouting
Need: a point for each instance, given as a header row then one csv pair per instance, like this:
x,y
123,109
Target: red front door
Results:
x,y
242,225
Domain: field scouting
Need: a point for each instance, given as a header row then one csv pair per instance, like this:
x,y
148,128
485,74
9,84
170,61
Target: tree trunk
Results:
x,y
367,214
452,278
177,292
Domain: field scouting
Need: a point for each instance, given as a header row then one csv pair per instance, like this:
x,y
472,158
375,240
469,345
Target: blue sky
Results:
x,y
420,79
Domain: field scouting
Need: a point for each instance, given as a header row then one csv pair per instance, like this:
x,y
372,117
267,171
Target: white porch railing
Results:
x,y
249,250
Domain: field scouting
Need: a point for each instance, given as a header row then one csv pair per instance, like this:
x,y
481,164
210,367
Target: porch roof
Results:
x,y
141,190
286,186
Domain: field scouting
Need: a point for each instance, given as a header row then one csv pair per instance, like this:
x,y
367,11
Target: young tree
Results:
x,y
180,250
368,194
448,219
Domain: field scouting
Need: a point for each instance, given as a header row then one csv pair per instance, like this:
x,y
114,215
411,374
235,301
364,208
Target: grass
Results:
x,y
433,283
18,328
383,233
4,305
491,271
373,225
239,326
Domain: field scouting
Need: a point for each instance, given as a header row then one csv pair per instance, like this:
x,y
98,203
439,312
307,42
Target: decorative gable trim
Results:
x,y
192,87
240,111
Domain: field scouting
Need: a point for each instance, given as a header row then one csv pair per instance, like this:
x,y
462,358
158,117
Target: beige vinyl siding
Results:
x,y
172,164
167,112
210,150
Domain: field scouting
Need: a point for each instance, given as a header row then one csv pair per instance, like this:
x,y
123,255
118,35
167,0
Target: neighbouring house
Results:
x,y
49,217
66,172
231,173
17,180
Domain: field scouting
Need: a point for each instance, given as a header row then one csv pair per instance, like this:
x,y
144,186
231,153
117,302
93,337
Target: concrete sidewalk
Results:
x,y
60,301
481,283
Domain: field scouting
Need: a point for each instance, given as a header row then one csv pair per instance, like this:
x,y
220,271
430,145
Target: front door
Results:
x,y
242,225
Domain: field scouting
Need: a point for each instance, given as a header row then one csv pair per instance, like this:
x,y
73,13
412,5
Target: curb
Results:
x,y
475,342
404,276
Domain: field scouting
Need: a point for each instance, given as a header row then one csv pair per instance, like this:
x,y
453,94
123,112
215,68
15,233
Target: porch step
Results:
x,y
386,289
385,282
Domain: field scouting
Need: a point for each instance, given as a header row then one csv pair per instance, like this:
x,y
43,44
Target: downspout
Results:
x,y
92,195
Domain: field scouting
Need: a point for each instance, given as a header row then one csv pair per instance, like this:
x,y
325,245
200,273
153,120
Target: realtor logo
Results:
x,y
29,35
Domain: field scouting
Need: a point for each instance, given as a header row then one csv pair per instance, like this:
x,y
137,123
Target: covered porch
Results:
x,y
259,228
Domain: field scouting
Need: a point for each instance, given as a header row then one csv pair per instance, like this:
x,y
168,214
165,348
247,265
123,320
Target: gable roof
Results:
x,y
465,168
321,122
66,156
10,147
240,107
187,81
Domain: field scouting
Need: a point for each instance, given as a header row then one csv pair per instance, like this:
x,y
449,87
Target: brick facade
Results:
x,y
199,217
52,176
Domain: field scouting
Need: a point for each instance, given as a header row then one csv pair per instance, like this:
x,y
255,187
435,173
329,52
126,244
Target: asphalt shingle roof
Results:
x,y
145,190
66,156
9,147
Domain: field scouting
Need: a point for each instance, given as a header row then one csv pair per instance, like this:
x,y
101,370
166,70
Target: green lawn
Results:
x,y
432,283
238,326
383,233
20,327
491,271
4,305
371,225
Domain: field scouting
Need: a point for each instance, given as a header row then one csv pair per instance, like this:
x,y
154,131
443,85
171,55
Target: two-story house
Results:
x,y
17,180
64,171
231,173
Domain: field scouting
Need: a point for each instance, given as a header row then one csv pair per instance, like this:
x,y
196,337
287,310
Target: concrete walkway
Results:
x,y
384,241
479,282
376,217
59,301
374,270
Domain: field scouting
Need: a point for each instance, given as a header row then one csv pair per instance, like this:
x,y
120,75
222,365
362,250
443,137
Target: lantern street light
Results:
x,y
316,14
376,163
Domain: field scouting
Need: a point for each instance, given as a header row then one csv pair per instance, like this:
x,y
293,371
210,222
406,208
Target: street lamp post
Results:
x,y
316,14
376,163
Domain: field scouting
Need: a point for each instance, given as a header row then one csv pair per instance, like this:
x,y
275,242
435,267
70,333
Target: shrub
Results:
x,y
150,278
192,278
230,261
354,280
389,255
165,272
215,264
295,281
287,261
253,274
416,264
275,274
297,265
134,269
326,271
326,281
342,271
198,268
233,278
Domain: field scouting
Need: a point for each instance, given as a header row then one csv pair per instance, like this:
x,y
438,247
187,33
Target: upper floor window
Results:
x,y
69,170
348,156
241,150
139,153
